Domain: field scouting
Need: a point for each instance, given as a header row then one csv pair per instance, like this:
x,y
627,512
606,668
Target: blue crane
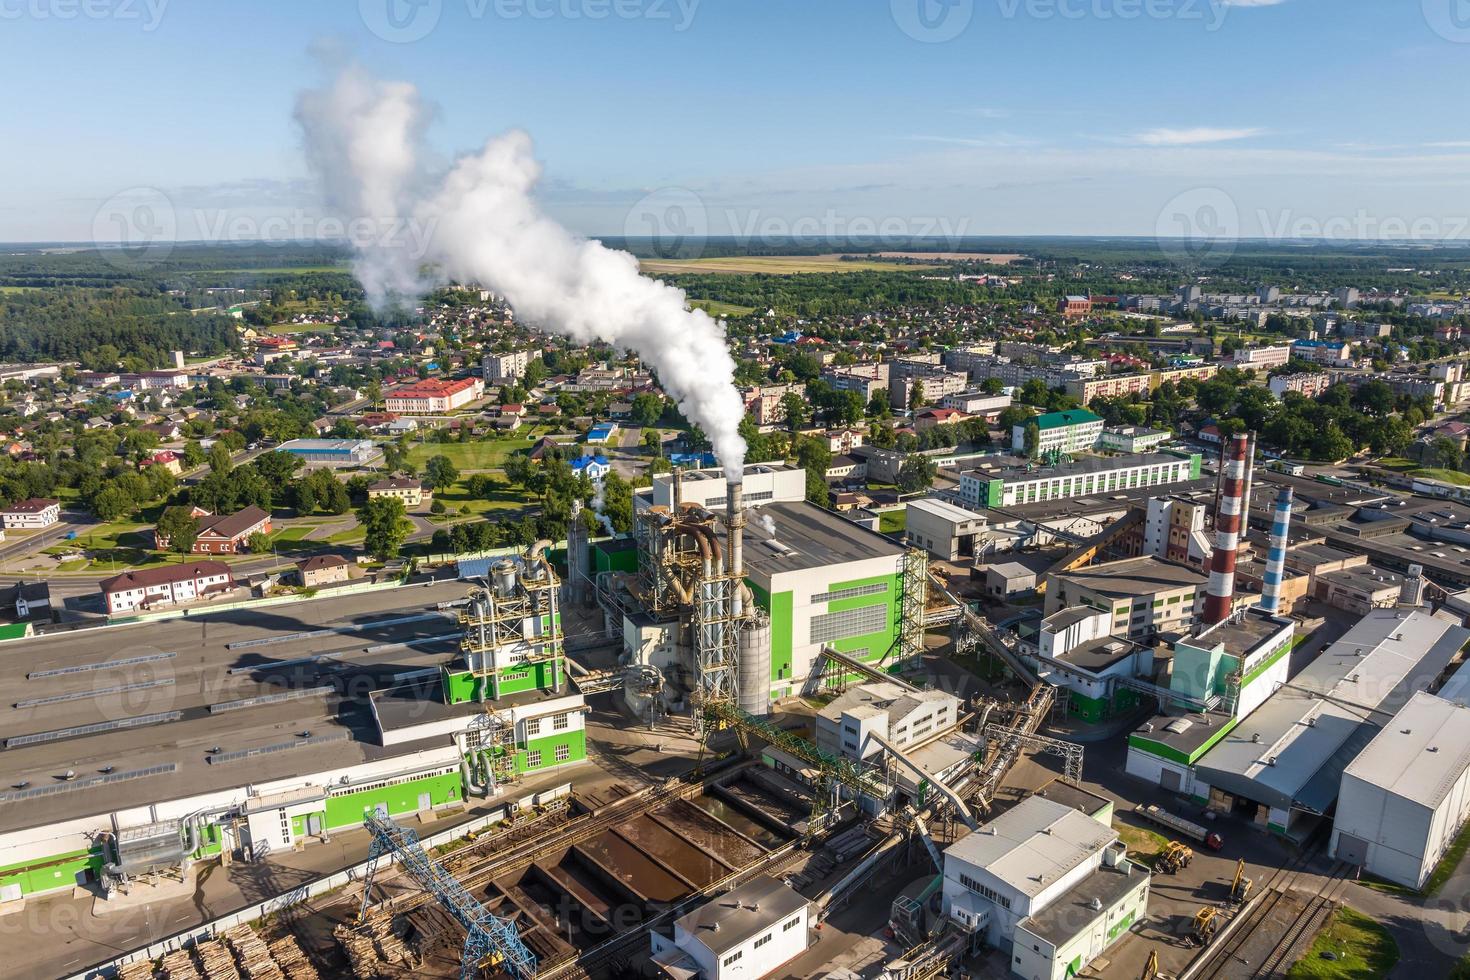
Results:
x,y
486,933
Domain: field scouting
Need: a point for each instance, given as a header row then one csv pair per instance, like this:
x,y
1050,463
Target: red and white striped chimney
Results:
x,y
1221,590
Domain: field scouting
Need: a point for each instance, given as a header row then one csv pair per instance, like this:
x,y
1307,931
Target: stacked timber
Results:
x,y
292,960
136,970
215,957
362,954
252,954
179,965
390,947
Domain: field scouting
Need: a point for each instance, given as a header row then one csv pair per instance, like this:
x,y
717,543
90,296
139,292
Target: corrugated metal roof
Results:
x,y
1421,753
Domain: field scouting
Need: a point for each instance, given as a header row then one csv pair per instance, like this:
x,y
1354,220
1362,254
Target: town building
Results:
x,y
1049,886
403,488
1006,484
1262,358
434,396
856,723
1329,353
1306,384
332,452
1144,596
32,514
167,585
222,534
767,403
747,933
1406,797
505,368
981,404
1132,438
320,570
1072,431
1074,307
595,467
1108,386
946,531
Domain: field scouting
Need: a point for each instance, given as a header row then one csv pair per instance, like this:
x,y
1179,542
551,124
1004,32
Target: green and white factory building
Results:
x,y
146,759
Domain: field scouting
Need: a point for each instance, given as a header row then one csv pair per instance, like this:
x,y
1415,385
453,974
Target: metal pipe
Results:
x,y
1221,589
1276,555
735,532
678,482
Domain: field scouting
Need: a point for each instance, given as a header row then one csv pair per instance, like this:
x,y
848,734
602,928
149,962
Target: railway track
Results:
x,y
1224,959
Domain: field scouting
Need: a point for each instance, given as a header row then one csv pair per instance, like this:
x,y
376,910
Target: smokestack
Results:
x,y
678,488
1276,555
1221,589
1250,483
735,545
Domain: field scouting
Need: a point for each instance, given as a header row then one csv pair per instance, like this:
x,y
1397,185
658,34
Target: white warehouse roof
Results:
x,y
1421,754
1033,844
945,510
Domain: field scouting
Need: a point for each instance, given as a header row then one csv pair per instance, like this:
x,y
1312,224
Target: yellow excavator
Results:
x,y
1175,857
1206,924
1240,887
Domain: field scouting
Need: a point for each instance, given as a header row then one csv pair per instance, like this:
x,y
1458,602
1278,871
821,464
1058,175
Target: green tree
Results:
x,y
337,500
916,474
648,408
1033,439
653,442
1446,453
219,458
815,458
796,411
193,455
180,528
916,395
440,473
385,526
259,543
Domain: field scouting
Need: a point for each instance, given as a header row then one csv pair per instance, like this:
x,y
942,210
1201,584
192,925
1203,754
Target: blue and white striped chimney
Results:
x,y
1276,553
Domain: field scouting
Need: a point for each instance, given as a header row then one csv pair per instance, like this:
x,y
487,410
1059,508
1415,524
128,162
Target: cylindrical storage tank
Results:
x,y
754,673
504,576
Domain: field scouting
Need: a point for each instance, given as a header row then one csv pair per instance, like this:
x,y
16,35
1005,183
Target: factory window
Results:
x,y
533,759
984,892
732,958
563,753
762,940
876,588
849,622
791,925
533,727
561,722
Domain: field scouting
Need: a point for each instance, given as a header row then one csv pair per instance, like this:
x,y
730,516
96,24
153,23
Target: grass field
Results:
x,y
459,504
1362,950
295,270
1143,845
1456,477
774,265
893,521
715,308
1447,864
480,455
18,289
290,328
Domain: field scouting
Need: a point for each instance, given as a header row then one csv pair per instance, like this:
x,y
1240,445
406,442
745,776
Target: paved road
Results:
x,y
70,521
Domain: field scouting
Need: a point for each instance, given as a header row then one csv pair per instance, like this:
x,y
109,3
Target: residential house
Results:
x,y
319,570
167,585
411,492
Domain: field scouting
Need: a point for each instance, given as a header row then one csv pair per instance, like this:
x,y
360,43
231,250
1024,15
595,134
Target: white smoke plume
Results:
x,y
480,223
767,522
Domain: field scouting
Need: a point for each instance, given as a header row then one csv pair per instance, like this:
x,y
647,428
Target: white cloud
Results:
x,y
1194,136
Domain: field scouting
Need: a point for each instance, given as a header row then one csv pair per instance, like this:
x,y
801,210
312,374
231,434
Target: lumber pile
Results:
x,y
390,947
179,965
292,959
136,970
252,954
215,957
362,955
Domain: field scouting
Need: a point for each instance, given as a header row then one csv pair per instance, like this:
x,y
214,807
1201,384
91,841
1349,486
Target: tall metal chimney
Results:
x,y
1221,589
735,544
677,488
1276,553
1250,483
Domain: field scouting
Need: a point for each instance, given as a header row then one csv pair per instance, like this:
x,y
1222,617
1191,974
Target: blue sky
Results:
x,y
985,117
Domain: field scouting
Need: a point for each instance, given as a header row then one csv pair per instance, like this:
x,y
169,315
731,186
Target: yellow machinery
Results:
x,y
1175,857
1151,968
1206,924
1240,886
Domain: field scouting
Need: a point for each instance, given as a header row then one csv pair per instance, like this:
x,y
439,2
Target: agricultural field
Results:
x,y
479,455
716,308
774,265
